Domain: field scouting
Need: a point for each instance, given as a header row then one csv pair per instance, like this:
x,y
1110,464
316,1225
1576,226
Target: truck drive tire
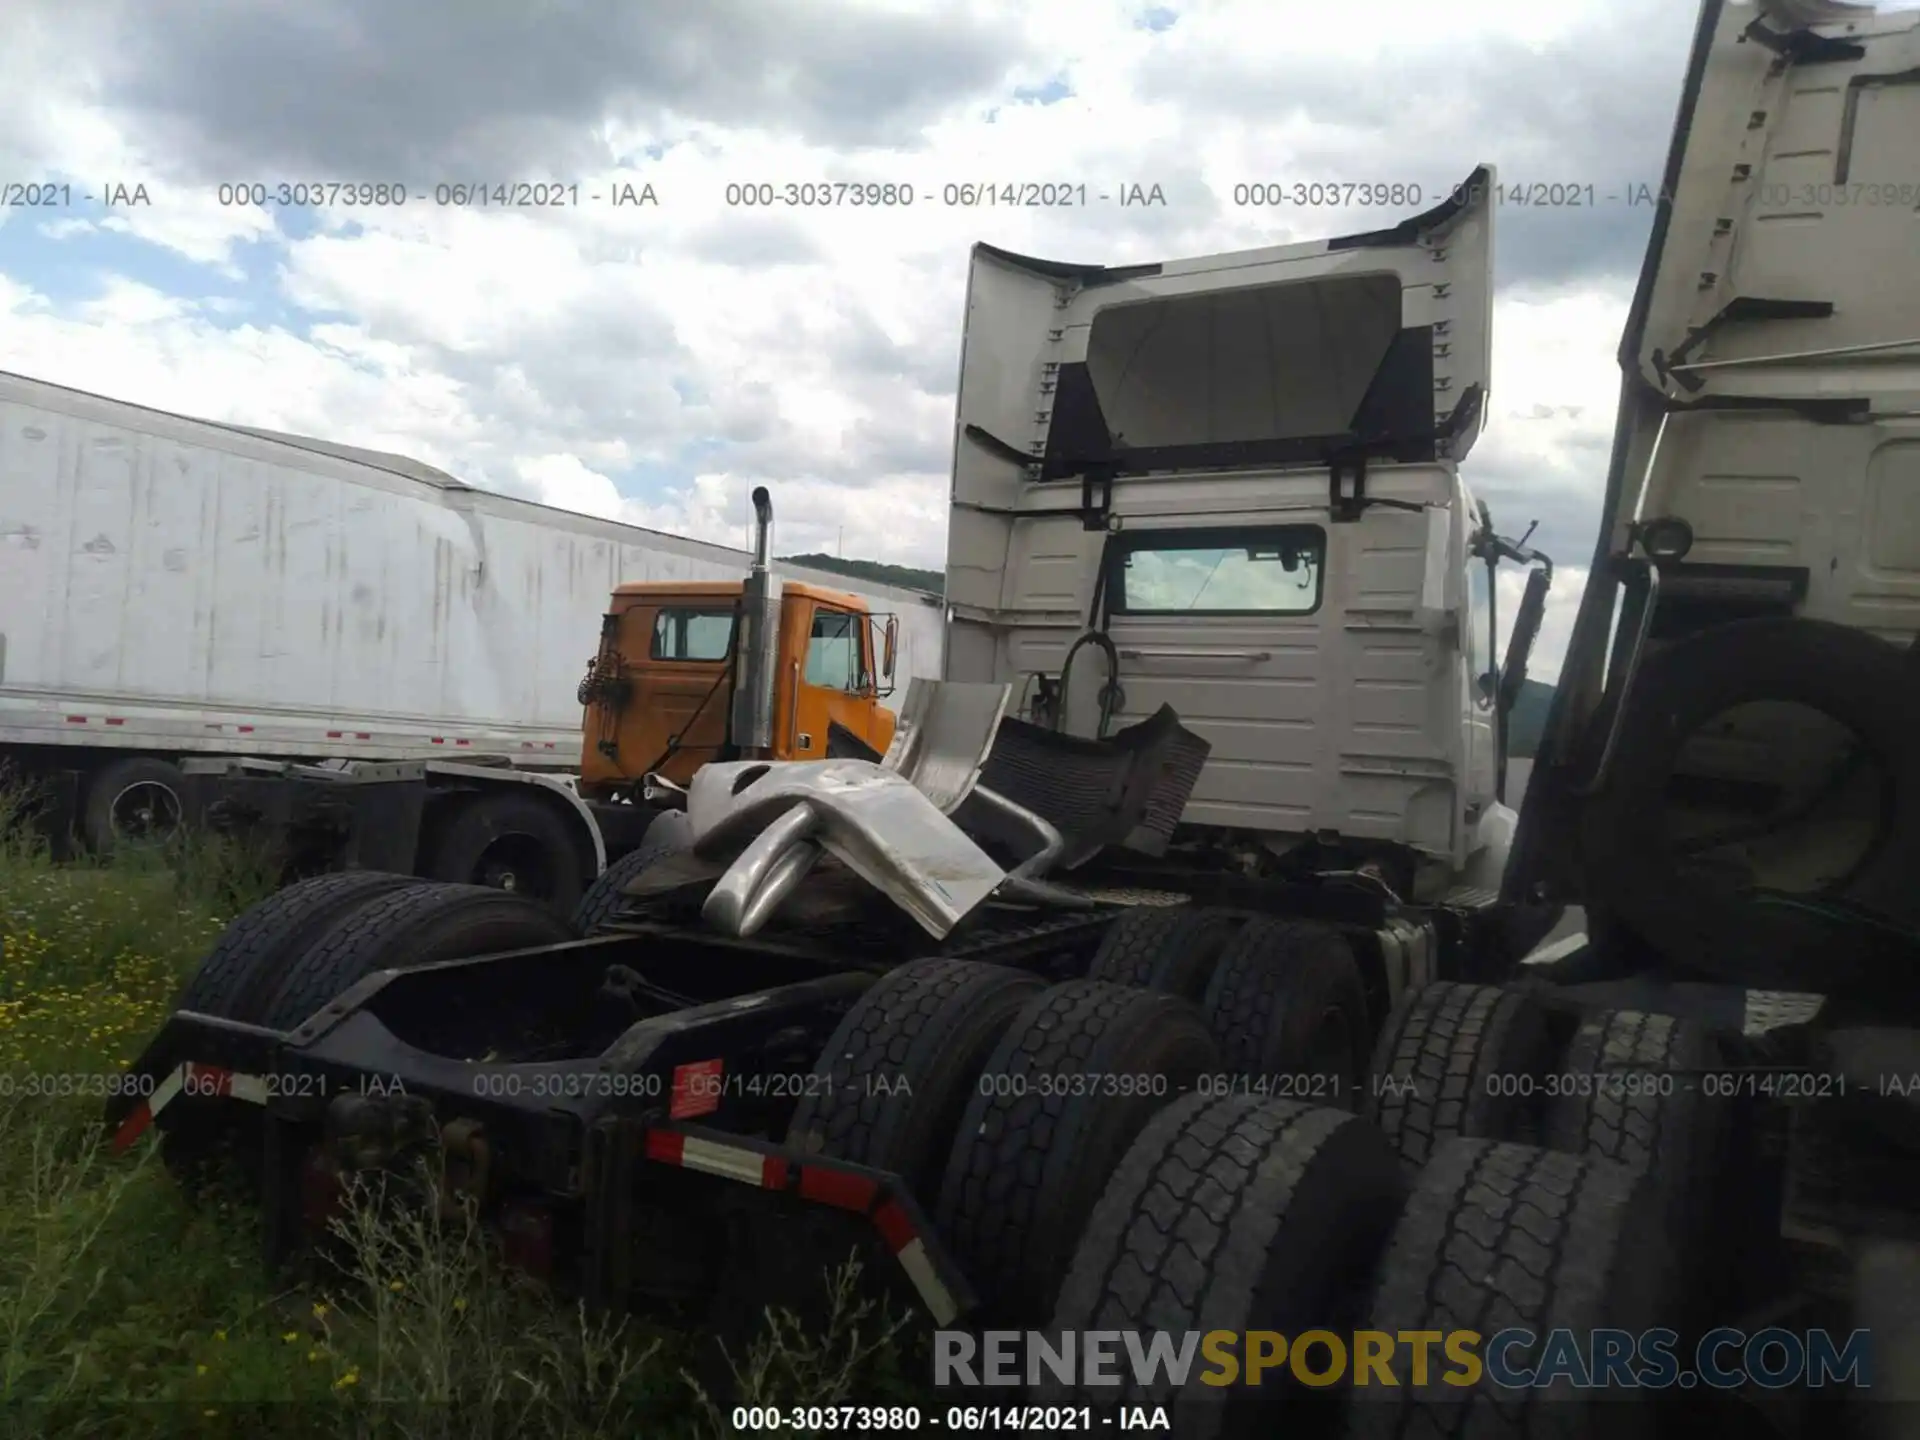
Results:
x,y
252,954
137,798
416,925
1509,1237
1232,1213
1289,1009
670,833
1081,1069
1456,1059
903,1064
234,981
1628,856
1636,1091
1169,948
511,841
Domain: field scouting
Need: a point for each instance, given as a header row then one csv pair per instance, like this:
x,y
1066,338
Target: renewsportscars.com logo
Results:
x,y
1516,1359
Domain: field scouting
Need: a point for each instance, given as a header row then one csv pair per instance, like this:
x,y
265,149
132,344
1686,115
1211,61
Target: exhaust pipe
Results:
x,y
762,527
752,719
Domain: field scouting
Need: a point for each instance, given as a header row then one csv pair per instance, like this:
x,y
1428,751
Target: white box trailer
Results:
x,y
173,587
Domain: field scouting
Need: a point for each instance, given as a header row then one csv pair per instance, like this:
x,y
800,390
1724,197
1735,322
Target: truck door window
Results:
x,y
699,635
833,652
1274,570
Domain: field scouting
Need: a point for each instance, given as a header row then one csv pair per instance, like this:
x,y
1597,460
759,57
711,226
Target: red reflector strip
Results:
x,y
463,742
336,734
439,740
116,720
894,1226
191,1078
132,1128
696,1089
244,729
76,719
837,1188
856,1193
729,1162
361,735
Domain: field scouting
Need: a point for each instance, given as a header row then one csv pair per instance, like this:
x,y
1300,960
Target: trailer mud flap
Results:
x,y
878,1197
1128,790
241,1059
200,1081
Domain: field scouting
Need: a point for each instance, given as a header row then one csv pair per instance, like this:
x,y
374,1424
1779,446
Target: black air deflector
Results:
x,y
1126,791
1285,374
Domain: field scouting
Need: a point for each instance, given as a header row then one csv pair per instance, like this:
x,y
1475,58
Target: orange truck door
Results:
x,y
827,676
681,695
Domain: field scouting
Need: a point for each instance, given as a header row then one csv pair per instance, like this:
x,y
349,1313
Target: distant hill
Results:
x,y
905,577
1529,718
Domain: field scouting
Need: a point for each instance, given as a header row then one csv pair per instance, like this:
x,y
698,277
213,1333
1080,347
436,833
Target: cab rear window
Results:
x,y
1272,570
687,634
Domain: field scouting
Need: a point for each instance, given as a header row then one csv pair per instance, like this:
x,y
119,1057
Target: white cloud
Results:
x,y
562,352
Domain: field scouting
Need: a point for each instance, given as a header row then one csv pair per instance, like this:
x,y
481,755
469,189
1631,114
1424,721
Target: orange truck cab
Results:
x,y
712,670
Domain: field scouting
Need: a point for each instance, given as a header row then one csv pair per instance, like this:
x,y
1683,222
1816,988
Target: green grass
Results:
x,y
126,1310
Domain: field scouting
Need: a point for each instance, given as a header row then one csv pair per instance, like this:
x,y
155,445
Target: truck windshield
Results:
x,y
1270,571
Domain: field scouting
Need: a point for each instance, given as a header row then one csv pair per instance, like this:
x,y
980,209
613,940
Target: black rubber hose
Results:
x,y
1109,695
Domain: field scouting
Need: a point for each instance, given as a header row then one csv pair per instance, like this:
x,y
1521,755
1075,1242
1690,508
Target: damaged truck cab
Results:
x,y
1236,478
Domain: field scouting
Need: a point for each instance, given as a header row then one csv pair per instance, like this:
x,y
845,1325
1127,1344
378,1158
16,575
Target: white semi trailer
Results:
x,y
179,596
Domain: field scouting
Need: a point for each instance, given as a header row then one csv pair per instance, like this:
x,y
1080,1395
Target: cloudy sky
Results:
x,y
653,363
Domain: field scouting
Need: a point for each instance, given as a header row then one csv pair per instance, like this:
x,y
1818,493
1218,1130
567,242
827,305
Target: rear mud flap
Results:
x,y
193,1057
873,1198
1126,791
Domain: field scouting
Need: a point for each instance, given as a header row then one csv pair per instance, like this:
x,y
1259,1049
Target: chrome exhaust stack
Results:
x,y
751,729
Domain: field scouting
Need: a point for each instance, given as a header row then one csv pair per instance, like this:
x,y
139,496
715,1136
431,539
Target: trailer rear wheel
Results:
x,y
417,925
1289,1009
246,962
1082,1068
669,834
1454,1060
137,798
514,842
1232,1213
902,1065
1640,1099
1509,1237
1170,948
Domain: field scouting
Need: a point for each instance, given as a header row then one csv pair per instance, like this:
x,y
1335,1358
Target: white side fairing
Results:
x,y
1770,394
1155,451
1780,336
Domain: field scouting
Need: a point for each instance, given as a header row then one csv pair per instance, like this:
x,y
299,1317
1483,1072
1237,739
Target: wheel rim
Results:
x,y
517,863
144,810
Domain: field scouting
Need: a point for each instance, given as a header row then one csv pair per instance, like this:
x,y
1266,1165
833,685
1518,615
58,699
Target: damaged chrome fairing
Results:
x,y
887,821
